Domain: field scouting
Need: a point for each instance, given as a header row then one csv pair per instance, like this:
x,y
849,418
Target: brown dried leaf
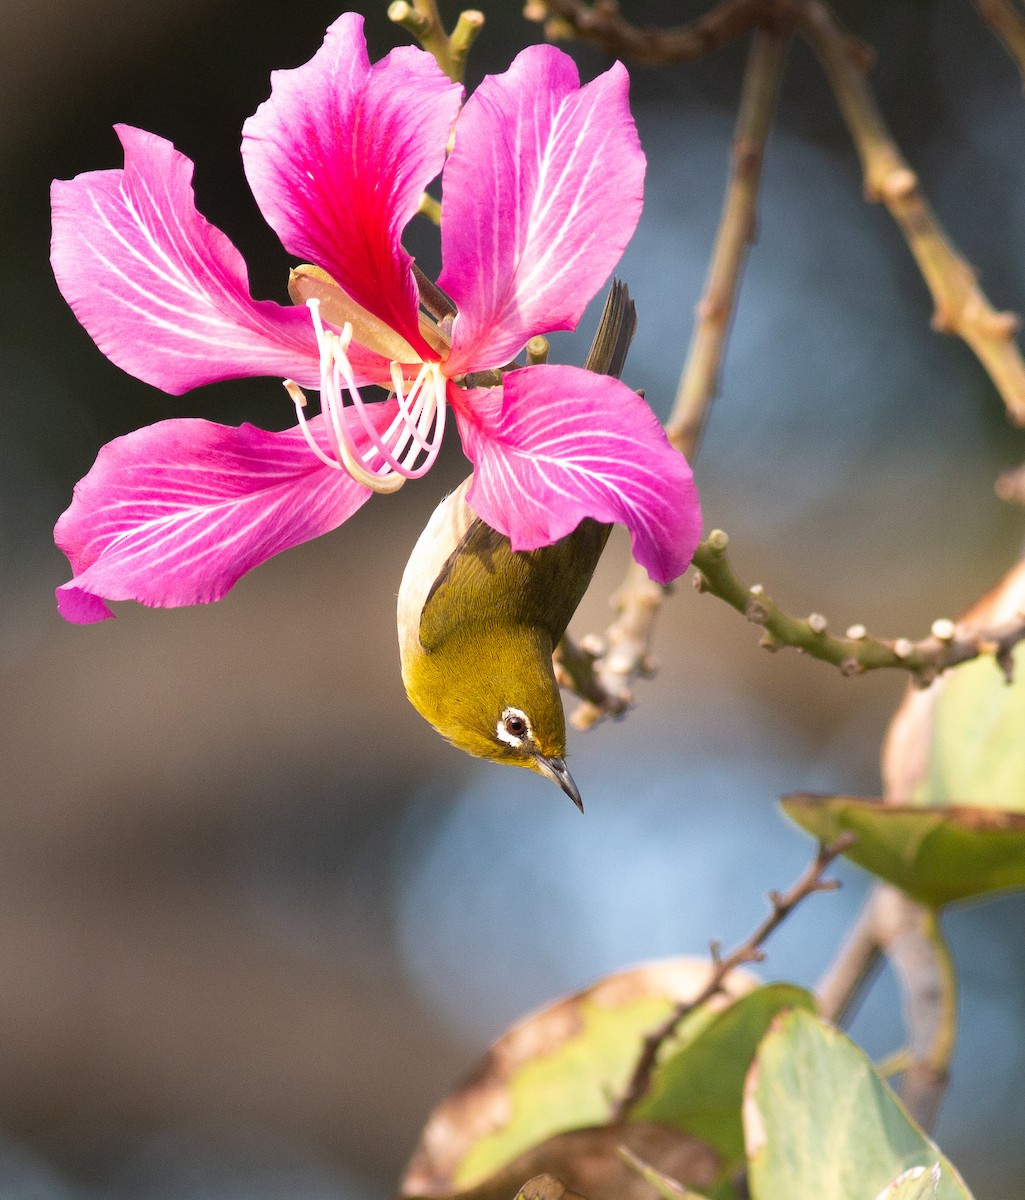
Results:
x,y
588,1163
556,1070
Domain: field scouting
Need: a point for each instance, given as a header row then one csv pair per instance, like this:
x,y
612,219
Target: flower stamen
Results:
x,y
299,400
411,443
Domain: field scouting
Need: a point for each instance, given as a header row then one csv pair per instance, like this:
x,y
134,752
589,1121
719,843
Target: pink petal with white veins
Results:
x,y
339,156
541,194
163,293
175,513
564,444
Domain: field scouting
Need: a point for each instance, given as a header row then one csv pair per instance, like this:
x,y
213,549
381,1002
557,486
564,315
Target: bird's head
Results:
x,y
491,691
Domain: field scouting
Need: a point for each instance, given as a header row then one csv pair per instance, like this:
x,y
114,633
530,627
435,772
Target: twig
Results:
x,y
911,939
626,653
601,670
576,671
603,25
853,968
421,19
960,305
736,232
856,652
1009,26
893,925
749,951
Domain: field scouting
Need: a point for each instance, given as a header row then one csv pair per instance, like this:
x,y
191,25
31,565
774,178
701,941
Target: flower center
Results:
x,y
409,445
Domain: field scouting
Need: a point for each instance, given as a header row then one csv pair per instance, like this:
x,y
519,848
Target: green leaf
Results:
x,y
821,1124
560,1069
936,855
959,741
700,1087
977,750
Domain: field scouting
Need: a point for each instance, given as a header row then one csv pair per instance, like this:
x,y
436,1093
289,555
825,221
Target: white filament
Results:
x,y
410,444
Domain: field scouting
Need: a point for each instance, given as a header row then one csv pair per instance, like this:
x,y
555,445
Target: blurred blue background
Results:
x,y
255,917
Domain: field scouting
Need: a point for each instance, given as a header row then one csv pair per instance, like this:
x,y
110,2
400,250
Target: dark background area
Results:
x,y
255,917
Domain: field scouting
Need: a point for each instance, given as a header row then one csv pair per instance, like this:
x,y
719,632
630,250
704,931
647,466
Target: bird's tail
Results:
x,y
615,332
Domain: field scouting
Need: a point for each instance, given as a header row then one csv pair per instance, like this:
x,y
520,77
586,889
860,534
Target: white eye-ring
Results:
x,y
514,727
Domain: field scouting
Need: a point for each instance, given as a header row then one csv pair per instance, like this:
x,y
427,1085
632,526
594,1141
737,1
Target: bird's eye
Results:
x,y
513,727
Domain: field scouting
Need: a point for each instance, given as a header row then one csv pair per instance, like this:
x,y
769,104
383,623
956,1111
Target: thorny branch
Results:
x,y
749,951
604,670
602,673
961,307
856,652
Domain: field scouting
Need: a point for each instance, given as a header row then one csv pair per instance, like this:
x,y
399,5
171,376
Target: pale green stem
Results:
x,y
421,19
430,208
856,651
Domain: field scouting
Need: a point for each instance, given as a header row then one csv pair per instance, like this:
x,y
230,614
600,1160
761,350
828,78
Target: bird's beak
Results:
x,y
556,770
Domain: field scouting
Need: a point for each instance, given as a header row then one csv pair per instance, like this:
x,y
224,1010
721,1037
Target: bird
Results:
x,y
478,621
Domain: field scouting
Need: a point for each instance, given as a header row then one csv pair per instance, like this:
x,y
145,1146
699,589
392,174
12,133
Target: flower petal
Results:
x,y
561,174
338,157
564,444
175,513
163,293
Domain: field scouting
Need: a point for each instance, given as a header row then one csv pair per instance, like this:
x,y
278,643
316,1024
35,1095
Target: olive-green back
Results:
x,y
533,587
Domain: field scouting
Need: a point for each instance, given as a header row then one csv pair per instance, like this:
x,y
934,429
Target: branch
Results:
x,y
736,232
1009,26
603,25
910,937
748,951
582,669
853,968
856,652
960,305
605,684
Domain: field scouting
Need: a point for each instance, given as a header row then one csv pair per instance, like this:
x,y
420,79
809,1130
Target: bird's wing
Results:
x,y
482,571
484,576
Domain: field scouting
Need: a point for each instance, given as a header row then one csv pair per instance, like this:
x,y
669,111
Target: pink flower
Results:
x,y
541,192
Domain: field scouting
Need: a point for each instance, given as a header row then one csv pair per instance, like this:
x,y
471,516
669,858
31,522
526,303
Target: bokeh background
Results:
x,y
255,917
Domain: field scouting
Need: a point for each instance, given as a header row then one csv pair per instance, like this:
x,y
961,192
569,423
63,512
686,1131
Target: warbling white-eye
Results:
x,y
478,621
